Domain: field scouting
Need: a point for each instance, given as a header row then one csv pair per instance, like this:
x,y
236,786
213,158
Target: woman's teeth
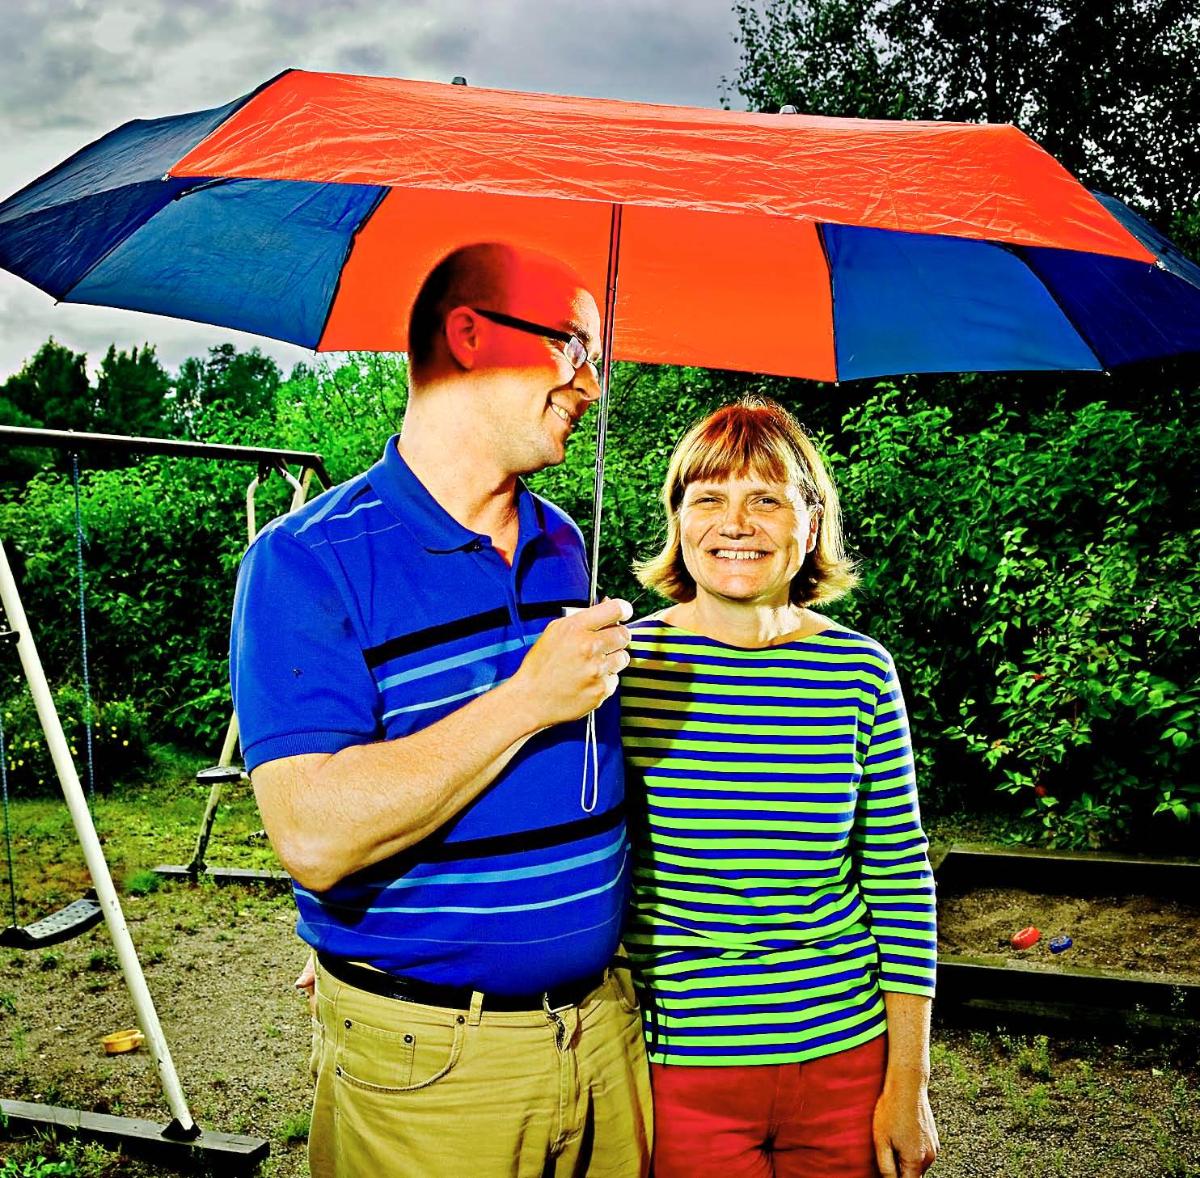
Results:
x,y
737,554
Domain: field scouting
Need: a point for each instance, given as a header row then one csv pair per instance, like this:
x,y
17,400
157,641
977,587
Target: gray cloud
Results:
x,y
60,70
71,70
29,318
363,59
446,47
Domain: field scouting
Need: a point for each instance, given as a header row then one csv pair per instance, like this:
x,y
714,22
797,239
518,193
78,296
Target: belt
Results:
x,y
402,989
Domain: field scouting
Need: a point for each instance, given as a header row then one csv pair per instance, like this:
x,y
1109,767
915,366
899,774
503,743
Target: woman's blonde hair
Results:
x,y
753,436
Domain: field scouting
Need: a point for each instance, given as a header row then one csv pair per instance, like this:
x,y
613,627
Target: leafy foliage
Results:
x,y
163,538
120,748
242,381
1027,554
1037,583
132,392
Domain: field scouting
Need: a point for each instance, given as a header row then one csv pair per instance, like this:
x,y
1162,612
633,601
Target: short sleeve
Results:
x,y
300,682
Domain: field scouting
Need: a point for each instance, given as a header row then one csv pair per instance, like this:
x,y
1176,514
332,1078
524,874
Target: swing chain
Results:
x,y
80,540
12,879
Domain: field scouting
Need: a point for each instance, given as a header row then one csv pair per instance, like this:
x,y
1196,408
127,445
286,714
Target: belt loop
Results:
x,y
476,1011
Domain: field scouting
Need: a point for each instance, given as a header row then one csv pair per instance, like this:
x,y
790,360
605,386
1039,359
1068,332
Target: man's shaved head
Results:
x,y
484,274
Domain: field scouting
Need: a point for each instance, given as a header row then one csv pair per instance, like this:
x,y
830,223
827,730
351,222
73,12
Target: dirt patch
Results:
x,y
219,964
1135,934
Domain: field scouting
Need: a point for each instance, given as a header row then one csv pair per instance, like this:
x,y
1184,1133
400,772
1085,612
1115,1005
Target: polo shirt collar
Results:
x,y
435,529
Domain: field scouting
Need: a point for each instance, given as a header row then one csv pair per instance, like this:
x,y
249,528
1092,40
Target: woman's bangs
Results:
x,y
738,449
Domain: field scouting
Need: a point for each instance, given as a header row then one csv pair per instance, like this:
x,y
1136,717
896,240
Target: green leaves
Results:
x,y
1028,555
1034,582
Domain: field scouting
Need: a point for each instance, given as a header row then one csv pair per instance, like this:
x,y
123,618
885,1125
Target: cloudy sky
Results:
x,y
70,70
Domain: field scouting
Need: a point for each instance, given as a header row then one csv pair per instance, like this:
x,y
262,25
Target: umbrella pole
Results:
x,y
591,749
610,309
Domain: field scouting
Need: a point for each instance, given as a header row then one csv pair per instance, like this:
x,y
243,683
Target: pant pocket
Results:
x,y
622,983
399,1058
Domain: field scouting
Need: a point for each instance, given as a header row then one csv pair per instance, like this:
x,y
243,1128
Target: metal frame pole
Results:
x,y
229,748
68,440
106,892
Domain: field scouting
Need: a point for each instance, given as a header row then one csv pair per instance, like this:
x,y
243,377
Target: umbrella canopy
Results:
x,y
310,210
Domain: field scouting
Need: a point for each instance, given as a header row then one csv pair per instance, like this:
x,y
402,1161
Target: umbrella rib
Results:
x,y
65,297
820,228
337,286
1020,253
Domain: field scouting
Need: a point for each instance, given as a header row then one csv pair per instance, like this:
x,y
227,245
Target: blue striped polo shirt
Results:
x,y
370,614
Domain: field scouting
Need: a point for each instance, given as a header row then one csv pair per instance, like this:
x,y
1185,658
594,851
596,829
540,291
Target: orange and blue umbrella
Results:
x,y
309,211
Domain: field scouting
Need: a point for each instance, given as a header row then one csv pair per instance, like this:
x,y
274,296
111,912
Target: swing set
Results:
x,y
181,1140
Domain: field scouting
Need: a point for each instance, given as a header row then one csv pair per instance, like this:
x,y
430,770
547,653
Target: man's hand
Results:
x,y
332,814
906,1140
306,984
573,667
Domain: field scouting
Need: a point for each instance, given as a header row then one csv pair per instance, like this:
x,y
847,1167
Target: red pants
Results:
x,y
795,1120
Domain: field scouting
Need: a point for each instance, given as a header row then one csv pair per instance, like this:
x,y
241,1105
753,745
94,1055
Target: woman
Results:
x,y
783,917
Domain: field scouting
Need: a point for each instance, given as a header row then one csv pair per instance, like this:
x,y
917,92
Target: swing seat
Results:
x,y
72,921
222,774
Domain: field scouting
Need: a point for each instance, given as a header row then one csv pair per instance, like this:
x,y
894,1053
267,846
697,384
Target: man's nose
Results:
x,y
587,383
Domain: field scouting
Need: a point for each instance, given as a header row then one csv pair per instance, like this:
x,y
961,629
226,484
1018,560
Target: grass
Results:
x,y
295,1128
1035,1106
101,961
140,827
44,1156
143,882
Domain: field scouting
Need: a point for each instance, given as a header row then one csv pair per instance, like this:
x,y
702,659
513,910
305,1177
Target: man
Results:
x,y
412,670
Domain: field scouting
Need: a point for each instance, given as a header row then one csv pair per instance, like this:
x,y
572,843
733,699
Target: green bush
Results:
x,y
1027,551
1036,579
163,542
120,746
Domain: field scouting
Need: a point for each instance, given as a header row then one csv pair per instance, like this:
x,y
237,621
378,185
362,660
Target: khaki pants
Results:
x,y
424,1092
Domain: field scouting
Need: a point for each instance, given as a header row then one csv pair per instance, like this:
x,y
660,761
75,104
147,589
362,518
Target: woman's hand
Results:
x,y
906,1140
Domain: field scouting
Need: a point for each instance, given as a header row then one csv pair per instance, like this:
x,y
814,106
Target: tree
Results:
x,y
132,390
243,383
1110,89
52,389
829,57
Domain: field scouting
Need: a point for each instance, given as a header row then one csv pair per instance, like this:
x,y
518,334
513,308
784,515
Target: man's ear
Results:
x,y
461,332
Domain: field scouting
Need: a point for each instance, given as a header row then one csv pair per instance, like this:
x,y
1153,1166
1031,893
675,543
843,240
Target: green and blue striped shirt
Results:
x,y
781,876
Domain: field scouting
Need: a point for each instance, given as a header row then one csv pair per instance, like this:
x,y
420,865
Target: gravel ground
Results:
x,y
220,964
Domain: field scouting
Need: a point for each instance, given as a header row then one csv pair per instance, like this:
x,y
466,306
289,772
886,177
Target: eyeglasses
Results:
x,y
574,348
